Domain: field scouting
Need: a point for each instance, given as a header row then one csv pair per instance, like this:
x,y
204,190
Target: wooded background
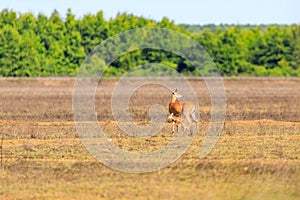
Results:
x,y
38,46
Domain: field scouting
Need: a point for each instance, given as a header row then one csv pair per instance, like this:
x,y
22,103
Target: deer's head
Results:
x,y
175,95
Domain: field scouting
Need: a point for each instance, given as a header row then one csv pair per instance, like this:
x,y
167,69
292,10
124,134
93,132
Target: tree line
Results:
x,y
53,45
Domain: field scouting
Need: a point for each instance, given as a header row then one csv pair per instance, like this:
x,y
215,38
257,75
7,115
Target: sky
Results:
x,y
180,11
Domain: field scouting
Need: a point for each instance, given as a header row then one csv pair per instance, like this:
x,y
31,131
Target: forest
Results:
x,y
56,45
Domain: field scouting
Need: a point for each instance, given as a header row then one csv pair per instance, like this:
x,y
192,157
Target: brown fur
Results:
x,y
175,108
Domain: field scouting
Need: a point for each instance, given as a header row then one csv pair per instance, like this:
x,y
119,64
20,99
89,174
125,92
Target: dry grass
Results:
x,y
257,156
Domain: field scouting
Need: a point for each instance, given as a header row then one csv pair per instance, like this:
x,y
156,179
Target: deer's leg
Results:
x,y
173,126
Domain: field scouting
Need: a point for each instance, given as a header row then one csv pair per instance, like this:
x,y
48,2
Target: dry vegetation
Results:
x,y
257,156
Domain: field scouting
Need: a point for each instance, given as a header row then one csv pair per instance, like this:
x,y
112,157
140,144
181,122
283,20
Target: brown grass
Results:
x,y
257,156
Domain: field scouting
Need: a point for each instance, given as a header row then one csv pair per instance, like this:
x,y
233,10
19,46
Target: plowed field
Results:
x,y
256,157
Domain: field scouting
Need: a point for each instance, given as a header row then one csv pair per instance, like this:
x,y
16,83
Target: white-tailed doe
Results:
x,y
177,110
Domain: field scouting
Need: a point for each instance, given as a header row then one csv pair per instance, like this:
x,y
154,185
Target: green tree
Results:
x,y
9,51
73,51
26,22
54,44
229,53
295,29
93,30
8,17
30,57
269,48
272,49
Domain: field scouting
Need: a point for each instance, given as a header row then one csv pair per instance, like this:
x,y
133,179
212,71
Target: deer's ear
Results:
x,y
178,96
175,90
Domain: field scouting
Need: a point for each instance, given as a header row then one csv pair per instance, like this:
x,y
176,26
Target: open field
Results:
x,y
256,157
